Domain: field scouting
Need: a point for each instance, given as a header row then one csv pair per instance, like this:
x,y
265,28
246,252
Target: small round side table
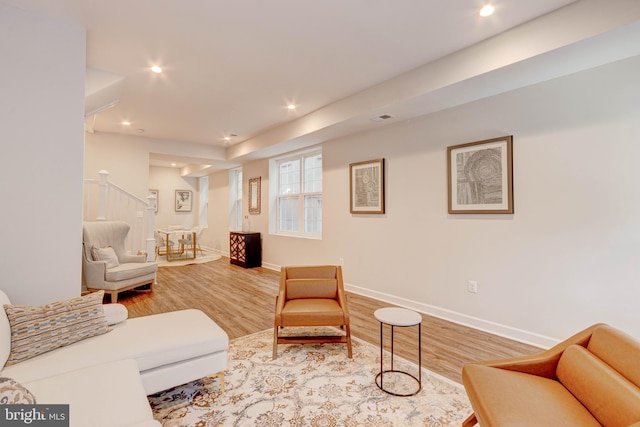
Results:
x,y
394,316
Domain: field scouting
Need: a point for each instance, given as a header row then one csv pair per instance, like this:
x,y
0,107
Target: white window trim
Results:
x,y
274,194
233,186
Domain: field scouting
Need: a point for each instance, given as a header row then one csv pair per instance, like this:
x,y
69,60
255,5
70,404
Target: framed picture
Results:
x,y
184,199
154,192
366,182
480,177
254,195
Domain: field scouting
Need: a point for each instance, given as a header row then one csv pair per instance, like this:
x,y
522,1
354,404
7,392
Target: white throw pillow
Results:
x,y
106,254
115,313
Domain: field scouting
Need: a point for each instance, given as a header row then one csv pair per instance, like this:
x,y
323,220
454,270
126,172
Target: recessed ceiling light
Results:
x,y
487,10
227,138
291,106
173,164
126,123
156,69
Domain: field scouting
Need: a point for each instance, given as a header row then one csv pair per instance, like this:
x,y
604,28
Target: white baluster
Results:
x,y
102,195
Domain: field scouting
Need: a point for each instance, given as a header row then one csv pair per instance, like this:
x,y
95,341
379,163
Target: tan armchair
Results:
x,y
105,263
589,379
311,296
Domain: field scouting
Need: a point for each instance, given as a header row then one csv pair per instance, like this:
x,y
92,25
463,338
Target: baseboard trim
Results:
x,y
459,318
226,254
269,266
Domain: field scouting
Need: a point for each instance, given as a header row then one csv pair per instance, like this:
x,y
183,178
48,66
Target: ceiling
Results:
x,y
231,67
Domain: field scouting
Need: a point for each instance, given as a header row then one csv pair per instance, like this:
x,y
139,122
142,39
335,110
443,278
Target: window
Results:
x,y
299,194
235,199
203,205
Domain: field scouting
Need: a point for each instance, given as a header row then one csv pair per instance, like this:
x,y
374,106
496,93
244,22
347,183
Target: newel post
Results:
x,y
151,216
102,195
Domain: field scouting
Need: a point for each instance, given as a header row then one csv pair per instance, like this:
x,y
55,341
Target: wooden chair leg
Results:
x,y
114,296
275,342
470,421
221,376
349,342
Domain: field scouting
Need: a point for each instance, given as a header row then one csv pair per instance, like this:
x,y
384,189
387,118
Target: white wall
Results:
x,y
125,157
216,236
167,181
41,132
567,258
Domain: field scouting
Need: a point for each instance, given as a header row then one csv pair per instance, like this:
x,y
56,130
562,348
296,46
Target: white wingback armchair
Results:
x,y
105,263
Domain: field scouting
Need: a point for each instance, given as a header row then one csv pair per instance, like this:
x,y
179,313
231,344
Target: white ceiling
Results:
x,y
231,66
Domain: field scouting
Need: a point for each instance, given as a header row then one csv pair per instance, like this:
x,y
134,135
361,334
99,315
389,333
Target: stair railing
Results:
x,y
105,201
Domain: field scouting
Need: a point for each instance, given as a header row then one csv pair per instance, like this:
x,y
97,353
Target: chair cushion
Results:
x,y
39,329
312,271
312,288
507,398
107,254
130,271
312,312
13,393
107,394
610,397
617,350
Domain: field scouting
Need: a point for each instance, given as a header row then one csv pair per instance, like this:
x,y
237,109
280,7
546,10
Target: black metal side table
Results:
x,y
394,316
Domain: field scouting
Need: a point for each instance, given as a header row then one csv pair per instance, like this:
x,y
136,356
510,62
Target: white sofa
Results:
x,y
105,379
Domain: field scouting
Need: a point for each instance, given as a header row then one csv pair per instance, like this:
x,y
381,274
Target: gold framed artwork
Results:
x,y
366,183
184,200
254,195
480,177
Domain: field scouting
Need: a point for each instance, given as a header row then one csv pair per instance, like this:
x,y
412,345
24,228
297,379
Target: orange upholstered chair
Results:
x,y
311,296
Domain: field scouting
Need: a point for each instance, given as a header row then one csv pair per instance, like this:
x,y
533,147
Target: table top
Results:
x,y
397,316
175,231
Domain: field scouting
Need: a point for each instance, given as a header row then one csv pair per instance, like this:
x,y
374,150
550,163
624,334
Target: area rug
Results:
x,y
308,385
162,261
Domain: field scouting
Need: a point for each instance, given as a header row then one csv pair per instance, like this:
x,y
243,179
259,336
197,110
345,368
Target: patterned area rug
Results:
x,y
309,385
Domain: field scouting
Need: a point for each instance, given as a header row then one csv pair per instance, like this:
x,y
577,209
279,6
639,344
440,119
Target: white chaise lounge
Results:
x,y
105,378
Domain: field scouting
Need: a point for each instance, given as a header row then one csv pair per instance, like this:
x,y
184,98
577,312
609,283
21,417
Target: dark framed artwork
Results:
x,y
480,177
366,182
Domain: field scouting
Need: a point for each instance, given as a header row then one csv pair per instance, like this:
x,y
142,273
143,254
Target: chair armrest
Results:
x,y
542,364
133,258
279,306
342,300
95,272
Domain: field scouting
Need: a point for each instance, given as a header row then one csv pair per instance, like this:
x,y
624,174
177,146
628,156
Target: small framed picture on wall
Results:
x,y
184,200
366,182
480,177
154,192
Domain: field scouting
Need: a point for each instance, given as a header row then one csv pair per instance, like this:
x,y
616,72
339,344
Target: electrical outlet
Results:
x,y
472,286
342,262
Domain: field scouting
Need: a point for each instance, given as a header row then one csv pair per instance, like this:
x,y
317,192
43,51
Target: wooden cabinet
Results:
x,y
245,249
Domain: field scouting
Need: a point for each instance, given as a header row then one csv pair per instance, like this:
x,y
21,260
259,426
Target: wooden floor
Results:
x,y
242,302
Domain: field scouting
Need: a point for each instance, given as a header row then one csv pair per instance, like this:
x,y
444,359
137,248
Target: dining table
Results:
x,y
177,255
